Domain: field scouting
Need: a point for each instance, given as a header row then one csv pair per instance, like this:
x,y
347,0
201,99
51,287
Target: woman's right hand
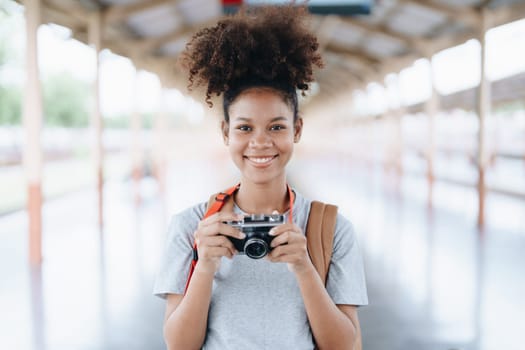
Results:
x,y
212,243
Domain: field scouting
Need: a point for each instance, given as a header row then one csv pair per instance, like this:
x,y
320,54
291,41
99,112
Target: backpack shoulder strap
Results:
x,y
216,203
320,232
320,236
220,201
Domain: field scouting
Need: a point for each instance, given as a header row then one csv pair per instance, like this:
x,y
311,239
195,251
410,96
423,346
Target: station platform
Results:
x,y
435,281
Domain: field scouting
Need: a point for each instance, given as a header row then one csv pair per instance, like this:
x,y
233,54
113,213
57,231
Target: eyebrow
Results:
x,y
245,119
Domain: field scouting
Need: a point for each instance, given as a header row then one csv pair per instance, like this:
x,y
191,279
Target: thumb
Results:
x,y
275,212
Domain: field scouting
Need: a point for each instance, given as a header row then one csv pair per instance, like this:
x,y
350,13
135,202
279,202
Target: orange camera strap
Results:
x,y
216,206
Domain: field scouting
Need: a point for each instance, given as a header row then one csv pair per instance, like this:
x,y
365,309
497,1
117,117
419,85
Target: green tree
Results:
x,y
120,121
66,101
10,105
3,47
9,23
10,94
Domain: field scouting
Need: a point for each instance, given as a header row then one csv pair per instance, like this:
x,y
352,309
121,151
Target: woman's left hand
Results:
x,y
289,246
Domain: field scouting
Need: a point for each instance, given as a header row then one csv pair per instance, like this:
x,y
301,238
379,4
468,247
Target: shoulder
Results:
x,y
344,235
195,212
301,209
302,206
345,239
187,220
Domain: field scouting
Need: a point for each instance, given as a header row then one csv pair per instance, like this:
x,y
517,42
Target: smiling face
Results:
x,y
261,134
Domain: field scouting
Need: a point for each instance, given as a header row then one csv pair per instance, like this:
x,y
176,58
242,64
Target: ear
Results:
x,y
225,127
298,129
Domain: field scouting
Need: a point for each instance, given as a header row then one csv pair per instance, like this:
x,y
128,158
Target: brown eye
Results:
x,y
244,128
277,127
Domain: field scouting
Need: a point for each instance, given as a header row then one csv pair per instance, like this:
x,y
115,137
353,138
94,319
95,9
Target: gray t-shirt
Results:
x,y
257,304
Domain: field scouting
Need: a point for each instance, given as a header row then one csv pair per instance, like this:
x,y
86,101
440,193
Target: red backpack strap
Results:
x,y
217,201
215,204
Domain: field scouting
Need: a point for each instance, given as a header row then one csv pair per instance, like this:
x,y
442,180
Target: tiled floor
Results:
x,y
434,281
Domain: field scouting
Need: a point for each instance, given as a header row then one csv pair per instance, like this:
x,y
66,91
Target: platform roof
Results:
x,y
357,49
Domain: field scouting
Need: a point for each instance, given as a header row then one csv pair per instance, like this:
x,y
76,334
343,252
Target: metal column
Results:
x,y
159,143
33,125
484,107
137,157
95,40
431,109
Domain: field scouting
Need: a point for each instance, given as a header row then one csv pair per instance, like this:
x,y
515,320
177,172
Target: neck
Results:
x,y
263,198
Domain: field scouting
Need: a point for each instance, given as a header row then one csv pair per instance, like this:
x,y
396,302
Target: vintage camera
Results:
x,y
256,244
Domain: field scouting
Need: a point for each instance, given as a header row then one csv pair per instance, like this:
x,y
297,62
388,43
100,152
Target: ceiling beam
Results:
x,y
325,30
356,52
342,74
412,44
71,9
148,46
483,4
327,88
357,67
147,62
466,15
498,17
117,13
359,62
351,65
507,14
50,15
396,64
165,70
446,42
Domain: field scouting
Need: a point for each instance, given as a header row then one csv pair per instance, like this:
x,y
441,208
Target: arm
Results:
x,y
333,326
186,315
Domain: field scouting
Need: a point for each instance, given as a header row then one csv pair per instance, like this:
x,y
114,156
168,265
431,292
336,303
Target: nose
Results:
x,y
261,139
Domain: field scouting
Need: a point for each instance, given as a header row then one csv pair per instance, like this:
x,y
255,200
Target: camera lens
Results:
x,y
255,248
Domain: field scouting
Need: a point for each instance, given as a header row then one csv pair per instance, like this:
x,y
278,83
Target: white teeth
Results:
x,y
261,160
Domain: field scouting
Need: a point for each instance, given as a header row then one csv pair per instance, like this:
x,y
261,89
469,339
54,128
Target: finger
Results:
x,y
280,239
280,258
287,249
287,258
278,252
220,217
280,229
228,230
218,228
216,241
216,252
288,237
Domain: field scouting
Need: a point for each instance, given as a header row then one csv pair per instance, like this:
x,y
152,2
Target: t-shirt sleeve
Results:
x,y
176,259
346,277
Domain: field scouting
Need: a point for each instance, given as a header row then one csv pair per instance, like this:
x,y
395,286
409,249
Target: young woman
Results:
x,y
257,61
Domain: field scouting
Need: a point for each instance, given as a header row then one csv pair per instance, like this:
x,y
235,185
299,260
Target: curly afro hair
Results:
x,y
262,46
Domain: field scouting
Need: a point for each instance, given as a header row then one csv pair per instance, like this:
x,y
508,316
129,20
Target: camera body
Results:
x,y
256,227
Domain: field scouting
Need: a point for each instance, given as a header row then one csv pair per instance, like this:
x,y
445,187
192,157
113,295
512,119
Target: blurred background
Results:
x,y
415,129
